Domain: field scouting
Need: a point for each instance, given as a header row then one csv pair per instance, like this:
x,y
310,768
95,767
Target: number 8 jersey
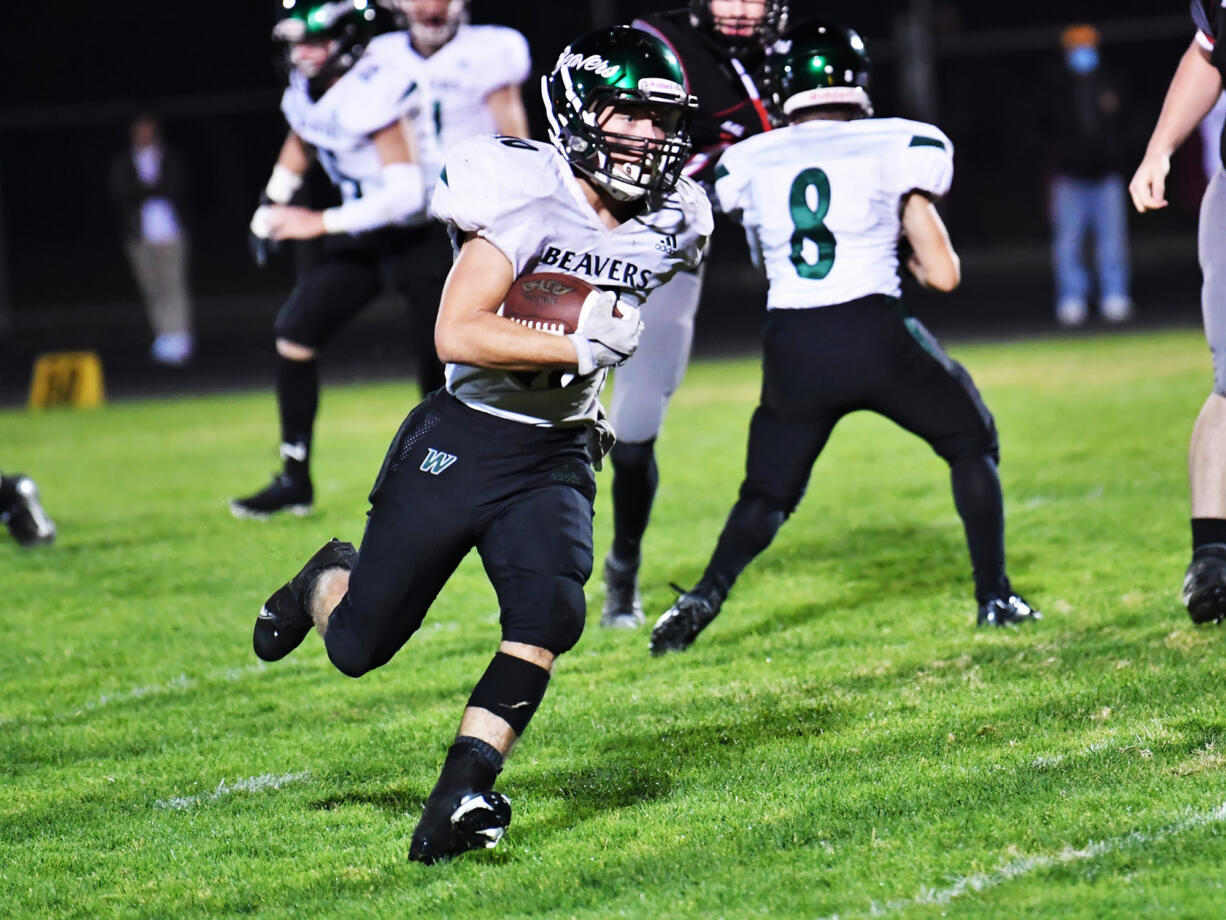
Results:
x,y
819,202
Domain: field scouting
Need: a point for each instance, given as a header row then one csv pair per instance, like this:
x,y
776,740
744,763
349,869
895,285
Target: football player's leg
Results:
x,y
780,458
932,396
418,273
1204,587
538,555
367,603
642,388
324,298
804,392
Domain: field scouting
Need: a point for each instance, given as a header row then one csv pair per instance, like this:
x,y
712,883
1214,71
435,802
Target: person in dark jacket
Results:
x,y
148,184
1087,189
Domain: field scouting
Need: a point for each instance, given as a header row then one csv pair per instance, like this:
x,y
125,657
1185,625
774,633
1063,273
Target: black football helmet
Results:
x,y
759,33
345,26
816,63
613,66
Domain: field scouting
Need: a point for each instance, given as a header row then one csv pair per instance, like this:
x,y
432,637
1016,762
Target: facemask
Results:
x,y
1082,59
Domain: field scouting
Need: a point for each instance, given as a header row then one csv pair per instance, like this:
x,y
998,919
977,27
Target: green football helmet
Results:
x,y
620,66
345,27
815,63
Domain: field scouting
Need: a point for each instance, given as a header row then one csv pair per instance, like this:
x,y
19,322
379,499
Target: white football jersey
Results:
x,y
385,85
820,200
523,198
477,61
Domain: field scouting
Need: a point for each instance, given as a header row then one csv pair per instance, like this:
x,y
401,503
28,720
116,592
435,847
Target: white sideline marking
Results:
x,y
1016,868
181,682
251,784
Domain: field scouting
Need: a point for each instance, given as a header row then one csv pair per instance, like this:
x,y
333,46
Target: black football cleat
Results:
x,y
1006,611
285,618
681,623
623,608
23,513
284,493
459,822
1204,585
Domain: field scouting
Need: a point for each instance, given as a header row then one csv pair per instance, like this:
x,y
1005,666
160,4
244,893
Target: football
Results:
x,y
547,301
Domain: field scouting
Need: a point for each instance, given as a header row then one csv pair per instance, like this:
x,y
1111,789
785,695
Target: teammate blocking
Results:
x,y
500,460
823,201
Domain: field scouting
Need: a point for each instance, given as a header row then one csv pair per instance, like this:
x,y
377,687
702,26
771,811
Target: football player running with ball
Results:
x,y
500,460
357,102
823,202
720,45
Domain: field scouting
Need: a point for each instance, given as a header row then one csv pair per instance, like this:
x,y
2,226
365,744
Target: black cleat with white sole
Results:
x,y
623,608
22,512
1204,585
462,821
291,494
1006,611
681,623
285,618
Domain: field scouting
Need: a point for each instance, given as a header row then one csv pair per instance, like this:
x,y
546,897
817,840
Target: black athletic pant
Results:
x,y
455,479
820,364
350,273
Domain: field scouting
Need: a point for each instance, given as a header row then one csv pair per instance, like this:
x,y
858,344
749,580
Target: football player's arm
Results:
x,y
506,106
934,262
1193,91
400,195
469,329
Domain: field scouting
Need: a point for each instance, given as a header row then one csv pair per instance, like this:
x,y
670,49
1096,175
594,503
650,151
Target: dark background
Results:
x,y
75,79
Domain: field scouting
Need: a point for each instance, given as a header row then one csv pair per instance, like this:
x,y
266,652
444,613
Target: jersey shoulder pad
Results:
x,y
516,166
919,134
924,156
385,85
504,52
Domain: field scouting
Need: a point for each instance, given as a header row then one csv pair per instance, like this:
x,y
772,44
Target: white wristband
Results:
x,y
583,351
282,184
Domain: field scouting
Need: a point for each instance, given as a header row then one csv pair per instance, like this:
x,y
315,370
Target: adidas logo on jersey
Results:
x,y
436,461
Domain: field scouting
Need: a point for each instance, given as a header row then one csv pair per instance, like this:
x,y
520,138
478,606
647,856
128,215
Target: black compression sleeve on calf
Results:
x,y
297,400
977,497
750,528
511,689
635,478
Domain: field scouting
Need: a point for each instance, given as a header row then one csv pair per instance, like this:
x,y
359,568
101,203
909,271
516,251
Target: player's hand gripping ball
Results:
x,y
547,301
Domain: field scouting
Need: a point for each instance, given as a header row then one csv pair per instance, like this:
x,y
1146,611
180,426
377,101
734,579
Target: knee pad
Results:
x,y
761,515
347,651
511,689
554,621
633,458
565,617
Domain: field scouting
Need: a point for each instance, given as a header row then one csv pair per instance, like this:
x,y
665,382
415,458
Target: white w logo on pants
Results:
x,y
436,461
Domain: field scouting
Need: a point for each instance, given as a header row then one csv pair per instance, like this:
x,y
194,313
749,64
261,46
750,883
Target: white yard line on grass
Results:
x,y
251,784
175,684
1026,865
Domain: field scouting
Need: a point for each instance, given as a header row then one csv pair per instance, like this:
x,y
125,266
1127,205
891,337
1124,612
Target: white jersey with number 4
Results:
x,y
385,85
523,198
820,202
477,61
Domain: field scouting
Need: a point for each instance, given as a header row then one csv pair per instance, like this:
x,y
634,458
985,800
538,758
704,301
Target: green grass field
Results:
x,y
841,742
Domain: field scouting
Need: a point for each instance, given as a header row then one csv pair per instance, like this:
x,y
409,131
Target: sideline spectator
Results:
x,y
148,183
1087,190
